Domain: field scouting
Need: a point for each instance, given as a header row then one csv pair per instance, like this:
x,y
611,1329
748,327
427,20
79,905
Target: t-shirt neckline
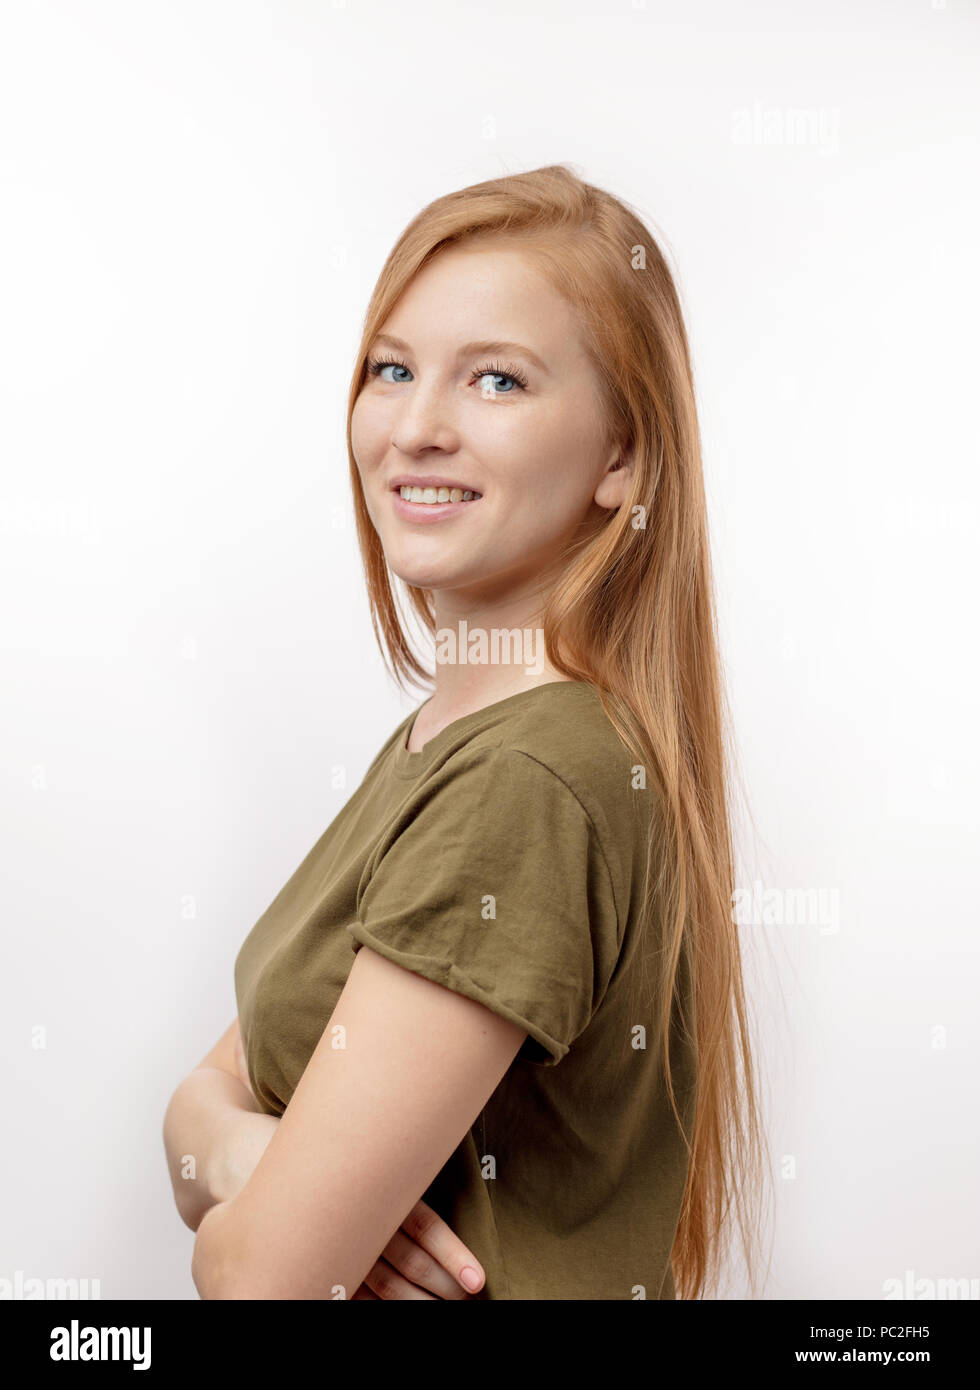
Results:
x,y
408,764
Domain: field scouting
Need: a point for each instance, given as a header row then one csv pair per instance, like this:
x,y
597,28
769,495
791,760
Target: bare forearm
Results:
x,y
205,1103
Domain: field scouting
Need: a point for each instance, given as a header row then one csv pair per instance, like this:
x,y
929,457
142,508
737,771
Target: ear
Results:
x,y
615,482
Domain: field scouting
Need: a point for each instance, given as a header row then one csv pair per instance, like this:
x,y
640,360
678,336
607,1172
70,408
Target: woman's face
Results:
x,y
527,434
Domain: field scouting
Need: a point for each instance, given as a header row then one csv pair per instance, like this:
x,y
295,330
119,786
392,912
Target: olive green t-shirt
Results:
x,y
505,861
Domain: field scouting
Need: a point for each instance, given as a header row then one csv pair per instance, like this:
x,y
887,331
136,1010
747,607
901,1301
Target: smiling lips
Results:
x,y
435,500
433,496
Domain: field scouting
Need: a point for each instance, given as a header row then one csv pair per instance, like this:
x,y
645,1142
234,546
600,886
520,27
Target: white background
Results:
x,y
197,198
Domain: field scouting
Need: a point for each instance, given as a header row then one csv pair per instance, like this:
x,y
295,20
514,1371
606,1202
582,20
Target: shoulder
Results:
x,y
563,743
569,734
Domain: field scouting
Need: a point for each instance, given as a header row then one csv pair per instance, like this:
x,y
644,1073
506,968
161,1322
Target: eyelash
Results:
x,y
504,369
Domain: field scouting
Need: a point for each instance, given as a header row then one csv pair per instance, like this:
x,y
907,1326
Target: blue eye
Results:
x,y
497,376
376,366
502,371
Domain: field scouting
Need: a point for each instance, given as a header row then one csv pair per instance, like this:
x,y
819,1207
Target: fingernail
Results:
x,y
469,1278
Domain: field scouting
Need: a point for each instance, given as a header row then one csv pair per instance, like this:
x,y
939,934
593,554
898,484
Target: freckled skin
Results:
x,y
538,455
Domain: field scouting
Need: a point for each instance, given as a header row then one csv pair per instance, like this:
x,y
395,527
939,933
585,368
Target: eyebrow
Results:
x,y
468,349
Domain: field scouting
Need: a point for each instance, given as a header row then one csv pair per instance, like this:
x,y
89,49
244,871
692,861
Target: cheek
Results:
x,y
555,456
366,432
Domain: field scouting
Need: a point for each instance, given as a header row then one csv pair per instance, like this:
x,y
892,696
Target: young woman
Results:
x,y
496,1016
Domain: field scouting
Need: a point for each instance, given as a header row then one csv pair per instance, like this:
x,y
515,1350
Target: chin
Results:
x,y
428,576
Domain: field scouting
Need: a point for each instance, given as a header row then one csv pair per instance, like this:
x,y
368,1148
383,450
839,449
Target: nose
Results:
x,y
424,421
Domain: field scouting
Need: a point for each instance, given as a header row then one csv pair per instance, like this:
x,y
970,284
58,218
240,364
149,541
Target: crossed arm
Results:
x,y
400,1073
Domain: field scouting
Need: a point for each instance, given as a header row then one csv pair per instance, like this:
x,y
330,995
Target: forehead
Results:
x,y
489,292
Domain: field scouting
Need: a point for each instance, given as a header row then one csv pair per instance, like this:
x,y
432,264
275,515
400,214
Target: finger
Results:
x,y
387,1283
364,1292
421,1268
427,1228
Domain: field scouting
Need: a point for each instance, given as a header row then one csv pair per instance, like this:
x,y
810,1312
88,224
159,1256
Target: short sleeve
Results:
x,y
494,883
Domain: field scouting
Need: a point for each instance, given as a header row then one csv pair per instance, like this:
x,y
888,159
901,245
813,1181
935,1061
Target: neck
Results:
x,y
483,653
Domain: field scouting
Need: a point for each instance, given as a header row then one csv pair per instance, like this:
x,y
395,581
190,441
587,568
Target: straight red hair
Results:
x,y
633,613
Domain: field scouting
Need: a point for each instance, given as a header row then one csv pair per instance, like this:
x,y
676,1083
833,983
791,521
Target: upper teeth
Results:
x,y
437,494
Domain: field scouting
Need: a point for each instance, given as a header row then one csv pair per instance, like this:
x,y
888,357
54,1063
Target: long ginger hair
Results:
x,y
633,613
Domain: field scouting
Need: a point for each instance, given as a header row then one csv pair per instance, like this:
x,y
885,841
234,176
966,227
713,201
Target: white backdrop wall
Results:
x,y
198,196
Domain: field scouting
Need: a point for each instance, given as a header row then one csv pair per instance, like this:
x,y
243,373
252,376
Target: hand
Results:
x,y
423,1254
